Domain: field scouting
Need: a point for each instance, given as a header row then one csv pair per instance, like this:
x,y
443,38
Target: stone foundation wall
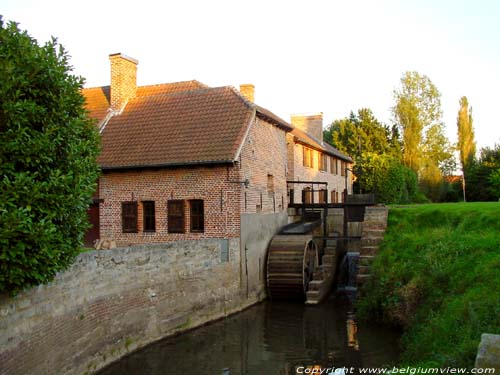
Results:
x,y
111,302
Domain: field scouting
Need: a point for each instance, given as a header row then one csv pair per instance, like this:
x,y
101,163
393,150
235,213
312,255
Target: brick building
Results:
x,y
183,160
312,159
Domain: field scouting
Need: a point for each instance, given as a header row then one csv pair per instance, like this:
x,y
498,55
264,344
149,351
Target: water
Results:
x,y
346,280
269,338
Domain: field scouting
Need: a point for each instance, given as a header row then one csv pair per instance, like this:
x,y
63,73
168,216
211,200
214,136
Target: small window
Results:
x,y
335,196
148,213
322,162
308,157
176,216
129,217
197,216
270,183
322,196
333,166
307,195
343,166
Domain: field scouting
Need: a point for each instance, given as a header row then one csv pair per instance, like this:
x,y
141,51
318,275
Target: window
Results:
x,y
343,166
176,216
322,160
270,183
333,166
322,196
197,216
148,215
335,196
307,195
308,157
129,217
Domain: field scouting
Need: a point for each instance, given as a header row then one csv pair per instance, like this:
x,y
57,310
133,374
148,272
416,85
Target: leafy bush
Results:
x,y
48,151
385,176
437,276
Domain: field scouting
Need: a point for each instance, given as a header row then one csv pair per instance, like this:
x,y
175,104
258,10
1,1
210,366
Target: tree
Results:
x,y
359,133
466,144
482,175
48,151
385,176
417,112
417,108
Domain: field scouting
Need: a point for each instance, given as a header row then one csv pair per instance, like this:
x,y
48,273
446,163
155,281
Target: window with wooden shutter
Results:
x,y
322,162
129,217
149,217
197,216
333,166
175,216
308,157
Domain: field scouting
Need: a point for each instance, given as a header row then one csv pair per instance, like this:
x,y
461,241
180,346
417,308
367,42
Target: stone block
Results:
x,y
488,354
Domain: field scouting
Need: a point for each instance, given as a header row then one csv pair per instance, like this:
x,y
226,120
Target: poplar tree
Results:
x,y
466,143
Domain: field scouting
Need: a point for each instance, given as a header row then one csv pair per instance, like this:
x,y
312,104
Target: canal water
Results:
x,y
269,338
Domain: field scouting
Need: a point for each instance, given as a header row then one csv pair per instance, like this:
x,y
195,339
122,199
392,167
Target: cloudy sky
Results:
x,y
303,56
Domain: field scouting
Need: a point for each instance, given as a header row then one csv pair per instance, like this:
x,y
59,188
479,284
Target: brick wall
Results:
x,y
336,182
263,162
111,302
214,186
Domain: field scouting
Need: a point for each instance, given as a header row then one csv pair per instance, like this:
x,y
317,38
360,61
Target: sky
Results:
x,y
302,56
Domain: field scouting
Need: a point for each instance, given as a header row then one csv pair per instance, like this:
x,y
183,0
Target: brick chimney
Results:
x,y
311,124
248,91
123,80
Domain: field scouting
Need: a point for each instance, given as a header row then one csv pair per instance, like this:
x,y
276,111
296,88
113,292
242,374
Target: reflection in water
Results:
x,y
270,338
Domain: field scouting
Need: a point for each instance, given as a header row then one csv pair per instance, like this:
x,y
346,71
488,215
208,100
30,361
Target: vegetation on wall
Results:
x,y
48,151
436,276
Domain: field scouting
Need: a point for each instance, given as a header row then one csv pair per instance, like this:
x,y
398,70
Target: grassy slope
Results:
x,y
438,275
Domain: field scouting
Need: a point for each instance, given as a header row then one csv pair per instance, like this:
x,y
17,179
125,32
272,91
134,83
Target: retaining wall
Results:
x,y
111,302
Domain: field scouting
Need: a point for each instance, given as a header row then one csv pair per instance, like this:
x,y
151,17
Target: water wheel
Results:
x,y
291,262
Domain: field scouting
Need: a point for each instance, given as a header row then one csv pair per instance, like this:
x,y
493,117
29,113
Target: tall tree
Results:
x,y
417,108
466,143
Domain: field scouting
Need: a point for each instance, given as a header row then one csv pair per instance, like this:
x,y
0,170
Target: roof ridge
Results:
x,y
179,93
175,82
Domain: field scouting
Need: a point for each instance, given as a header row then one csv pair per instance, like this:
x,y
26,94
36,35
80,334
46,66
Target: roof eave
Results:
x,y
339,155
167,165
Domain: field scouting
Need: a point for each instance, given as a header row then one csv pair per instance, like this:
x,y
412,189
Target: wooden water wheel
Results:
x,y
291,262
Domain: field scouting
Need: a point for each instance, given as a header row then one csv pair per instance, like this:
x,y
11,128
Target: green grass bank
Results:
x,y
437,275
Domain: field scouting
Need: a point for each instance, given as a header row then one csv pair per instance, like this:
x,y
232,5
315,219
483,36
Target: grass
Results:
x,y
437,275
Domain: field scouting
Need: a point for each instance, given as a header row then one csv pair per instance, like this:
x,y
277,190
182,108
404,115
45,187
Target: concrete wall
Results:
x,y
256,233
111,302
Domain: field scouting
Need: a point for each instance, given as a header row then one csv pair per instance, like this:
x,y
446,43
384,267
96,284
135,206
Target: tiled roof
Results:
x,y
183,123
97,102
308,140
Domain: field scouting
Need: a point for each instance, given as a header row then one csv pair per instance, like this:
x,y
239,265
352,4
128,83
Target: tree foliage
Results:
x,y
482,175
48,151
417,112
360,133
466,144
425,148
384,175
